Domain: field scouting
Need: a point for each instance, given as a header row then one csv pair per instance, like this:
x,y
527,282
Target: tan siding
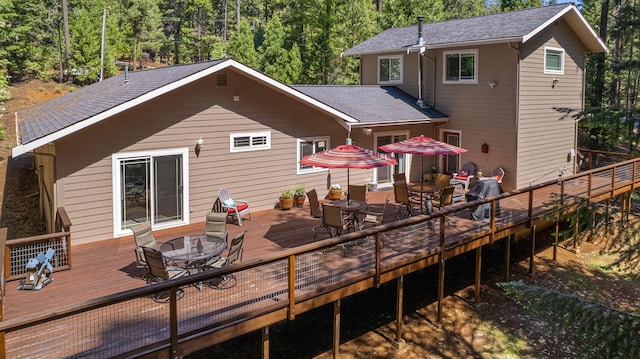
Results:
x,y
409,72
543,139
177,120
483,114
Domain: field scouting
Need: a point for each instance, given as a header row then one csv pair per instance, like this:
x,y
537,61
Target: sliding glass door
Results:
x,y
150,187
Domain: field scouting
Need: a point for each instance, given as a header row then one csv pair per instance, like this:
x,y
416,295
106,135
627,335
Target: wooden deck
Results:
x,y
285,272
107,267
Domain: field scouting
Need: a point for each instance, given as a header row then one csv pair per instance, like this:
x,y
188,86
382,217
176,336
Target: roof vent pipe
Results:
x,y
420,39
126,73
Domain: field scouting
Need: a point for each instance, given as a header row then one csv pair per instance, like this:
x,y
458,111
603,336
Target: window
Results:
x,y
250,141
460,66
150,186
308,146
451,163
553,61
390,69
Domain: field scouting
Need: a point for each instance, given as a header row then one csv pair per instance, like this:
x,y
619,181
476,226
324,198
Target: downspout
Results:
x,y
517,109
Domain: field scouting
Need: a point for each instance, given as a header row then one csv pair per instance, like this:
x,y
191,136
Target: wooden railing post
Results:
x,y
292,287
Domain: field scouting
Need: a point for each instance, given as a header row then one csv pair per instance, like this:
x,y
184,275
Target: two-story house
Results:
x,y
498,78
123,151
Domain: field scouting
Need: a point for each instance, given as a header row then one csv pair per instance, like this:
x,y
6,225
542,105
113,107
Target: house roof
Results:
x,y
52,120
514,26
372,105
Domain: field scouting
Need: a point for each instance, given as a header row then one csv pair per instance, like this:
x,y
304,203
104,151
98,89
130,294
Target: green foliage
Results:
x,y
299,190
275,56
1,132
605,332
286,193
241,46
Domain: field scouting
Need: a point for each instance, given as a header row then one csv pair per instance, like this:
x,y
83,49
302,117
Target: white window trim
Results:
x,y
251,147
475,66
401,58
116,184
562,53
299,155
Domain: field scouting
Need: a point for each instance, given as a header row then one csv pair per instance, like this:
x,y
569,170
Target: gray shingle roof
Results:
x,y
57,114
371,104
502,26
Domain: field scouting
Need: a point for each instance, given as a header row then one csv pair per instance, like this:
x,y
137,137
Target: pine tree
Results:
x,y
274,56
606,332
241,46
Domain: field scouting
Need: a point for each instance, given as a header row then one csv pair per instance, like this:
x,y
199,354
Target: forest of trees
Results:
x,y
294,41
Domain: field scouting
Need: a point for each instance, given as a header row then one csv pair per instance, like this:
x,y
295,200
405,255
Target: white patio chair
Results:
x,y
233,207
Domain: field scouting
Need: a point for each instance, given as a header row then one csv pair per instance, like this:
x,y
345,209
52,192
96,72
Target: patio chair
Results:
x,y
401,179
332,221
216,226
358,192
405,202
160,271
374,215
234,254
467,172
143,236
498,174
442,181
233,207
39,270
314,204
444,198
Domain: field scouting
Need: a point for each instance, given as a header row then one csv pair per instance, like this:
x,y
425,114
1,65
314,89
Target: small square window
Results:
x,y
553,61
460,66
309,146
390,69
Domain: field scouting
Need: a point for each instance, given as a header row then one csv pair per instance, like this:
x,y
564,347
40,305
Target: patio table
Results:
x,y
423,189
192,251
351,208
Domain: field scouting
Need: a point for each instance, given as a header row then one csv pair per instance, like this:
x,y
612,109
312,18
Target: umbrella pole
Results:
x,y
348,192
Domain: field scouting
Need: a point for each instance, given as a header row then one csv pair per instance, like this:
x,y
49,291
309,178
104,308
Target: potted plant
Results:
x,y
299,195
286,199
335,191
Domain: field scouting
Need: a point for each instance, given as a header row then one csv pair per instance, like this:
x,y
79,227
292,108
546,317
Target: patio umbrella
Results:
x,y
348,156
424,146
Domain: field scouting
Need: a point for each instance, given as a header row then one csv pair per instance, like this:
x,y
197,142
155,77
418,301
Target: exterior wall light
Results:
x,y
485,148
493,84
199,145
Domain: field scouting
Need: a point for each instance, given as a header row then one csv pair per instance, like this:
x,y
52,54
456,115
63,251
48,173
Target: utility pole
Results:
x,y
65,16
104,30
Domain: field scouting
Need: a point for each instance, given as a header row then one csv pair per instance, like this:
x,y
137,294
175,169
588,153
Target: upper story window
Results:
x,y
460,66
390,69
308,146
250,141
553,61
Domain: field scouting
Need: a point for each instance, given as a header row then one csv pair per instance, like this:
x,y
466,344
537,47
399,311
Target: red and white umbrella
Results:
x,y
424,146
348,156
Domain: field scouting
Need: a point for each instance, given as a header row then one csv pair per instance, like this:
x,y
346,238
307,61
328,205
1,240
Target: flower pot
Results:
x,y
335,194
299,199
286,203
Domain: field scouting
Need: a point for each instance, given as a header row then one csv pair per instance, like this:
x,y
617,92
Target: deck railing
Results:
x,y
258,293
18,251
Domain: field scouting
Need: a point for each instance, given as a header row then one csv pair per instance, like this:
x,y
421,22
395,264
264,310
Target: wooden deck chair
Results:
x,y
143,236
234,207
160,271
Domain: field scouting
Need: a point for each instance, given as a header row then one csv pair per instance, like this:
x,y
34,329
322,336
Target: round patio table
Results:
x,y
351,207
193,250
423,189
